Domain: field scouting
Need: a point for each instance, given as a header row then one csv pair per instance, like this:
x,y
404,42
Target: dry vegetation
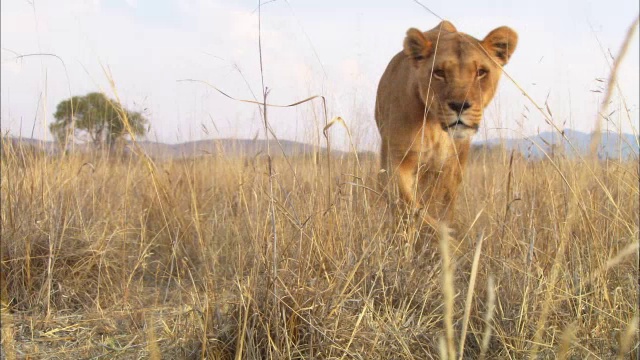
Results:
x,y
126,258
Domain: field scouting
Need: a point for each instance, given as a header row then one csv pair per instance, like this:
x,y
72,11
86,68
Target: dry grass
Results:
x,y
126,258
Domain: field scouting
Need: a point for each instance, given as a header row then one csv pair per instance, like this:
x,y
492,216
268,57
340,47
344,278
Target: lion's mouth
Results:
x,y
458,124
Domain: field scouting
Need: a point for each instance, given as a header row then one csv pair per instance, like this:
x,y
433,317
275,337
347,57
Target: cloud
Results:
x,y
132,3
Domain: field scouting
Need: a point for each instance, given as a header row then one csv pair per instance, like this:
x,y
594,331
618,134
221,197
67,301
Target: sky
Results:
x,y
337,49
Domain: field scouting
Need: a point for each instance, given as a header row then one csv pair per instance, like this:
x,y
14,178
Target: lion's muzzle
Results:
x,y
458,129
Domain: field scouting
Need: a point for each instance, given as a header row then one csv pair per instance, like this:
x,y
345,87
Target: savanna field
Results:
x,y
110,256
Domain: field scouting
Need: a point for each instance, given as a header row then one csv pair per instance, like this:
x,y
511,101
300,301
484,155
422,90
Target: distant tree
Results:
x,y
95,118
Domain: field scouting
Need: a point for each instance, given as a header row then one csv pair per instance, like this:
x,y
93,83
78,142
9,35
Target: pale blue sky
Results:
x,y
334,48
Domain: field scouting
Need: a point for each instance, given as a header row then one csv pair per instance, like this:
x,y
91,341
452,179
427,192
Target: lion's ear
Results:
x,y
501,43
416,45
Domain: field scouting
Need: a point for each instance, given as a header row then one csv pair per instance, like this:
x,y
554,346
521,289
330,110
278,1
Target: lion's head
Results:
x,y
457,74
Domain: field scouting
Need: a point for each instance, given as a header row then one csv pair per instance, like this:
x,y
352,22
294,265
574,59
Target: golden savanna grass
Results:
x,y
124,257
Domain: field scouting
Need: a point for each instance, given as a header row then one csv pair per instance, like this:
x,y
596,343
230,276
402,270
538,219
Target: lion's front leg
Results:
x,y
406,170
452,186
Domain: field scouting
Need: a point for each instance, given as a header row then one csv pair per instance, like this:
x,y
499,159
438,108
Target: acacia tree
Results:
x,y
95,118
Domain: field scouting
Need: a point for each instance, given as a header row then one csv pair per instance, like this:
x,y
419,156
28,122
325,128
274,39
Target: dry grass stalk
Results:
x,y
469,299
488,317
448,289
566,341
627,338
611,84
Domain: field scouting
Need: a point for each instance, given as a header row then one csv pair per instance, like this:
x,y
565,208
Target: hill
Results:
x,y
612,145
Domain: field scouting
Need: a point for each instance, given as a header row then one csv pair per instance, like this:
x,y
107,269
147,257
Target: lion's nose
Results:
x,y
459,107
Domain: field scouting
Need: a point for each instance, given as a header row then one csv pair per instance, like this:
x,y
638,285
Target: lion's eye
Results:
x,y
481,73
439,74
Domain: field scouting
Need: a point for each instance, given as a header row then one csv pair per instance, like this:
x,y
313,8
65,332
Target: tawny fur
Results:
x,y
429,103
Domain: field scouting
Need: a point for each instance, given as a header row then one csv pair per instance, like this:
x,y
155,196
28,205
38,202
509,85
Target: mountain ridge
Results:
x,y
612,145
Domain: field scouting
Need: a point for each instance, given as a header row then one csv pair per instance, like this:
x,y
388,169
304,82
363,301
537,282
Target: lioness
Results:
x,y
429,103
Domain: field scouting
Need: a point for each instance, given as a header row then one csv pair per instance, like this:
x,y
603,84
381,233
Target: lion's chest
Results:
x,y
433,149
